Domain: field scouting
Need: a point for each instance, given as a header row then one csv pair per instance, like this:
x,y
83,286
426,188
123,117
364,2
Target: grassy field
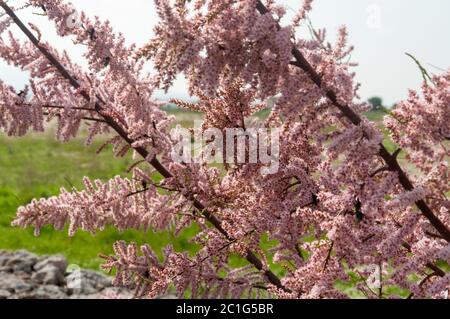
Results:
x,y
37,166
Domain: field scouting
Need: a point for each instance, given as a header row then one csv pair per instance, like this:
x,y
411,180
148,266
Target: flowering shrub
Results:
x,y
338,206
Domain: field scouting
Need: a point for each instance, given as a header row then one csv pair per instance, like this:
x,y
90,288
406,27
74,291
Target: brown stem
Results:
x,y
86,118
302,63
49,106
328,256
438,271
251,257
237,282
380,170
380,289
71,108
299,251
423,282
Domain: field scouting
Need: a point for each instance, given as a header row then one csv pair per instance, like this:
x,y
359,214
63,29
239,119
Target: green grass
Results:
x,y
37,166
377,115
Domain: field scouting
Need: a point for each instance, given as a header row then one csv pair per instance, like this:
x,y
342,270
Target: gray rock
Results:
x,y
5,269
4,258
21,261
22,286
49,275
57,261
7,281
92,296
44,292
86,282
117,293
14,284
5,294
24,275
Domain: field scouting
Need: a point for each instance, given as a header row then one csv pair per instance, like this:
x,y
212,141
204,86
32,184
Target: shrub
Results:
x,y
339,207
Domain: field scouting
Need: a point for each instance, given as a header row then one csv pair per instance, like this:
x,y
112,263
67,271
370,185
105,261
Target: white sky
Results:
x,y
381,30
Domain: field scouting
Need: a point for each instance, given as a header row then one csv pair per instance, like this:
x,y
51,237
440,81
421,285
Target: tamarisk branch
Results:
x,y
391,161
251,257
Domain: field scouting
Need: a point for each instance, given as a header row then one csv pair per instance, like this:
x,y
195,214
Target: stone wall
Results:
x,y
24,275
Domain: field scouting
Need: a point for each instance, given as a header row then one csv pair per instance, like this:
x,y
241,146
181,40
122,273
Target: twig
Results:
x,y
70,183
364,280
328,256
380,289
424,72
129,169
86,118
45,106
423,282
380,170
237,282
70,108
430,265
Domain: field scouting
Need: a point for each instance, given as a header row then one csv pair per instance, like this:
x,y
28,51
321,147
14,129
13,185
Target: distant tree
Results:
x,y
376,102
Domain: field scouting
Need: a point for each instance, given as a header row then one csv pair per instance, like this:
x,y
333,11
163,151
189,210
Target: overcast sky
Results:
x,y
381,30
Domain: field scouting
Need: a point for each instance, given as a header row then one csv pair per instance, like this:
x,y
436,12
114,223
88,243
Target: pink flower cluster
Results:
x,y
120,202
420,126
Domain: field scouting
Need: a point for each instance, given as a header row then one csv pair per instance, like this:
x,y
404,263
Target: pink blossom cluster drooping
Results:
x,y
420,126
120,202
340,208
